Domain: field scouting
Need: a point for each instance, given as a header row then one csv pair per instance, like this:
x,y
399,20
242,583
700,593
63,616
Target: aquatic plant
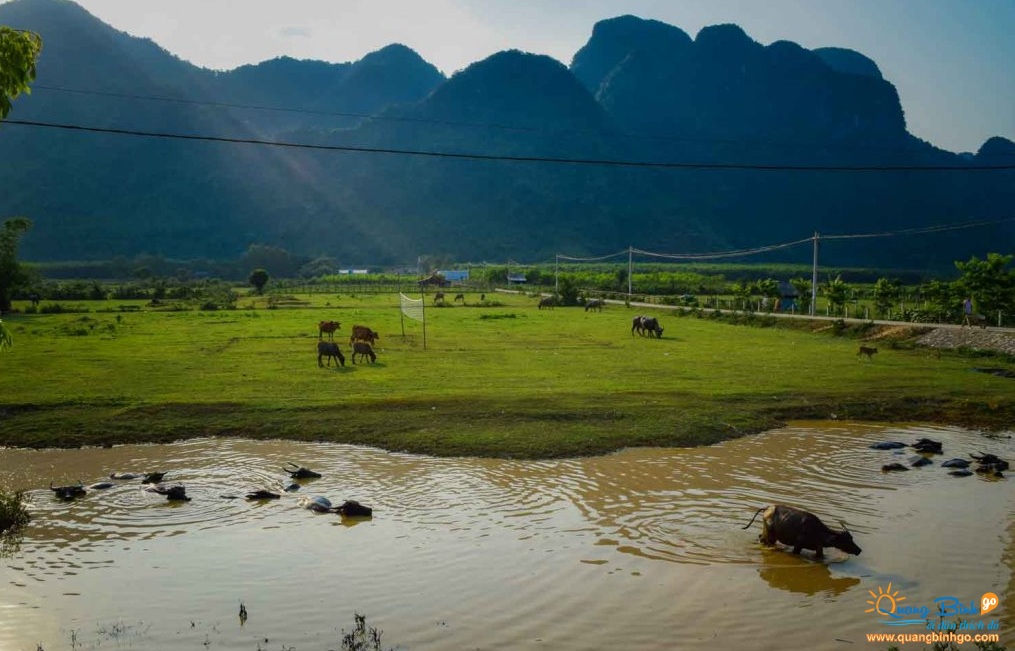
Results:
x,y
14,517
362,637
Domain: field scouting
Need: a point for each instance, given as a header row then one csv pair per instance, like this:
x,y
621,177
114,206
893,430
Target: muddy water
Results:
x,y
638,550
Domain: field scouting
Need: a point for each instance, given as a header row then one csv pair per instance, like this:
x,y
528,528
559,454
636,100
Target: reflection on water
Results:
x,y
796,574
638,550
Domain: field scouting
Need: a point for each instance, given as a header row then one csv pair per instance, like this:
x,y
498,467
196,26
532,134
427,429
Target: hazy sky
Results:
x,y
952,61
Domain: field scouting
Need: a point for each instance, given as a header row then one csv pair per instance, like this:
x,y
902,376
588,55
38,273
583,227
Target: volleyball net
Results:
x,y
411,307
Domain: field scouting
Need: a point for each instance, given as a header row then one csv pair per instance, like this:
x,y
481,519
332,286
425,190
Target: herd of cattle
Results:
x,y
361,342
802,530
151,482
363,338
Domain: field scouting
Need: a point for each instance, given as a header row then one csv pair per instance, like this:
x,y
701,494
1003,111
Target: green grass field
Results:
x,y
499,379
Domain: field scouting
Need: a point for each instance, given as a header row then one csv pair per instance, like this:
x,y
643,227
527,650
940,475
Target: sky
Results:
x,y
952,61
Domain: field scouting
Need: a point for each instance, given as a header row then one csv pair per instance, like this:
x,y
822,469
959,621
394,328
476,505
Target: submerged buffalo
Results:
x,y
801,530
68,492
299,472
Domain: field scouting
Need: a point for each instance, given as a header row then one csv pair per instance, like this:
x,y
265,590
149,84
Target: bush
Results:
x,y
14,517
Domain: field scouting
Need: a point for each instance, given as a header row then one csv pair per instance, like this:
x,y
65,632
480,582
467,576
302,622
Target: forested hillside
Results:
x,y
476,166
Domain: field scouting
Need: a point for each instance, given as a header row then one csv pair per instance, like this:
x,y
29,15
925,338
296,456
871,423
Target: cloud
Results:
x,y
295,31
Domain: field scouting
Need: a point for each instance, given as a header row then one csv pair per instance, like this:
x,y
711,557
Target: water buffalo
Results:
x,y
174,493
330,350
363,349
328,327
887,445
928,445
363,333
349,508
68,492
801,530
299,472
643,324
595,304
353,509
548,302
262,495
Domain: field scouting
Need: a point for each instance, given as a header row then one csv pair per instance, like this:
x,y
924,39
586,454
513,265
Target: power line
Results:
x,y
506,127
523,159
785,245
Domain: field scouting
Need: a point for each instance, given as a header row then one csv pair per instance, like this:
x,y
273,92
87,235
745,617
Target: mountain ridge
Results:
x,y
637,91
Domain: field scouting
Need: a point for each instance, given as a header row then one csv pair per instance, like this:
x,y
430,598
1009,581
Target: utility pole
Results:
x,y
814,277
629,268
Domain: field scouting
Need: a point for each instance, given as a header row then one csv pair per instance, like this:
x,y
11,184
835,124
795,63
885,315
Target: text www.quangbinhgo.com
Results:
x,y
930,638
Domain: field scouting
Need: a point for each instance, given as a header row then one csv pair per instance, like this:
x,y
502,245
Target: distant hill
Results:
x,y
638,91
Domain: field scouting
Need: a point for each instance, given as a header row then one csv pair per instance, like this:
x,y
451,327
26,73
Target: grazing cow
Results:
x,y
328,327
866,351
649,324
438,298
329,349
363,333
594,304
363,349
548,302
801,530
460,297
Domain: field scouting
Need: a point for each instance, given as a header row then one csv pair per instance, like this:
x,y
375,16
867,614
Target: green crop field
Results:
x,y
500,378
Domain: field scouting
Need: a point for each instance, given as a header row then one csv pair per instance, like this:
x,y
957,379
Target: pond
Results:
x,y
642,549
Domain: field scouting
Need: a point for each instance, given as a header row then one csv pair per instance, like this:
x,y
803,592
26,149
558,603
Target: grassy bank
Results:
x,y
499,378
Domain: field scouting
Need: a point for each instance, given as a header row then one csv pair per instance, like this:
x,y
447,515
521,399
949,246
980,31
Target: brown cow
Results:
x,y
329,349
801,530
363,333
327,327
363,349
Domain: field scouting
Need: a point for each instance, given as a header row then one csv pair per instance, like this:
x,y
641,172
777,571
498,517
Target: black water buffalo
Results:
x,y
649,324
299,472
68,492
329,349
801,530
595,304
364,350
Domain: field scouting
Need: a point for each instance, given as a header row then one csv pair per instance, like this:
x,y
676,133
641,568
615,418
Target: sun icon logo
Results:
x,y
884,601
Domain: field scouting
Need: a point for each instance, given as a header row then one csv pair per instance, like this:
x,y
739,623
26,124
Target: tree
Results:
x,y
803,293
741,295
258,278
836,291
990,283
886,292
568,291
769,289
19,51
12,275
